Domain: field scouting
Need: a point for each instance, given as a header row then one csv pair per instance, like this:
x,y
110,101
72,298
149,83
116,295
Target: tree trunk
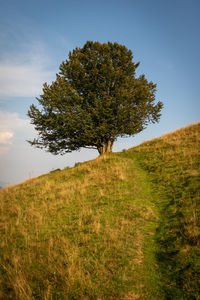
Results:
x,y
105,148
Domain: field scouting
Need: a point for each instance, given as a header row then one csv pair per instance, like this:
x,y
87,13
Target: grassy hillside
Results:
x,y
173,165
123,226
77,233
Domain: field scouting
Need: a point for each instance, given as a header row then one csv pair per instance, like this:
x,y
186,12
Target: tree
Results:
x,y
95,98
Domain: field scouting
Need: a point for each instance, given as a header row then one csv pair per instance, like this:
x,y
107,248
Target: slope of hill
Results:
x,y
123,226
173,164
2,184
77,232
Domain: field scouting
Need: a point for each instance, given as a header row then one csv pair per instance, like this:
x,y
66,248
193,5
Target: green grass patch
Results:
x,y
173,165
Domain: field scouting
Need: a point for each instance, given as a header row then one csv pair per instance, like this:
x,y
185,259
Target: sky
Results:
x,y
36,36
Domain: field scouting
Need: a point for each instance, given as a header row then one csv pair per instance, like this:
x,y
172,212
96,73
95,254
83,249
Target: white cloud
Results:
x,y
21,80
23,74
5,137
13,128
11,121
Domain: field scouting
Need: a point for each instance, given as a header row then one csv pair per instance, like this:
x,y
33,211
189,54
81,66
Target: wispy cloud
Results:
x,y
11,121
5,141
5,137
12,128
23,74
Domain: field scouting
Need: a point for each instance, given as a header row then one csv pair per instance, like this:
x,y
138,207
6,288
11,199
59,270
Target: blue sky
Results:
x,y
36,36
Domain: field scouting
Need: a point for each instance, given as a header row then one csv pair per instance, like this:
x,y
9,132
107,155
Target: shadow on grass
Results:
x,y
178,256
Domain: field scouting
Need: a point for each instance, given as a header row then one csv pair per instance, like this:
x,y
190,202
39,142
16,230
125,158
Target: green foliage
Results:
x,y
95,99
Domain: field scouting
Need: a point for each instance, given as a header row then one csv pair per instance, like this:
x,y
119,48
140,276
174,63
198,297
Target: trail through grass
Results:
x,y
123,226
78,233
173,165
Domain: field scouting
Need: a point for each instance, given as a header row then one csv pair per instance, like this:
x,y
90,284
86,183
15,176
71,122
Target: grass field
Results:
x,y
173,165
123,226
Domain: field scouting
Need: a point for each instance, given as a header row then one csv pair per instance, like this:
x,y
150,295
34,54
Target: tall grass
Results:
x,y
123,226
76,234
173,163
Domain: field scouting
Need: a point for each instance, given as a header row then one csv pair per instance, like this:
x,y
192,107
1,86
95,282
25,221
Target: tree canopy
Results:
x,y
95,98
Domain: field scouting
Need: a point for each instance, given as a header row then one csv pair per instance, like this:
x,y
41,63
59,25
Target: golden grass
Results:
x,y
74,233
88,232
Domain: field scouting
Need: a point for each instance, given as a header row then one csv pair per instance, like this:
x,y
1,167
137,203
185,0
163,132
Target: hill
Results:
x,y
172,163
123,226
2,184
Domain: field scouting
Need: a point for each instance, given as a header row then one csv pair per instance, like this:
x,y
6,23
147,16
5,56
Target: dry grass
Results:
x,y
74,233
89,232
